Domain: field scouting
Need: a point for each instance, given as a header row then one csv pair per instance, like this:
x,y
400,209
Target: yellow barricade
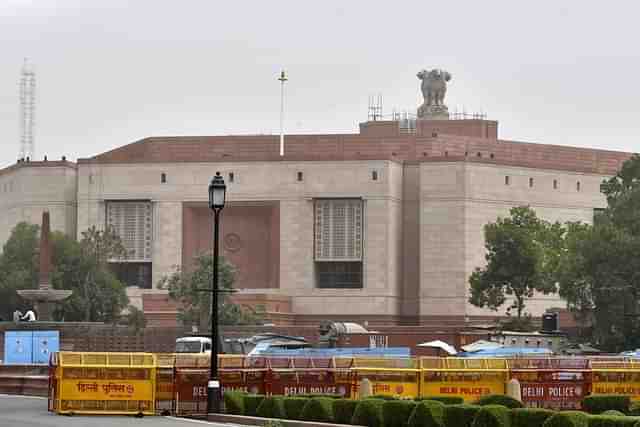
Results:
x,y
616,377
466,378
165,378
389,377
105,383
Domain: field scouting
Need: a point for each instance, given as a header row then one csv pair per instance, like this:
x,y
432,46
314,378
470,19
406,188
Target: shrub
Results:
x,y
343,410
368,413
634,408
460,415
500,399
311,396
619,420
492,416
396,413
525,417
600,403
427,413
318,409
447,400
567,419
613,412
293,407
382,397
251,403
272,407
234,402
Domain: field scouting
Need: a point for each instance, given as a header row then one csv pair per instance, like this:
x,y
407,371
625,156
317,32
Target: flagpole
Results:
x,y
282,79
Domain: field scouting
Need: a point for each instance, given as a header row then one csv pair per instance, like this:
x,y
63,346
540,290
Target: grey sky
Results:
x,y
111,72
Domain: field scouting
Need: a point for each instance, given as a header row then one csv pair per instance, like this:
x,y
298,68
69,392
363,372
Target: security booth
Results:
x,y
462,377
621,377
303,375
552,383
398,377
103,383
165,372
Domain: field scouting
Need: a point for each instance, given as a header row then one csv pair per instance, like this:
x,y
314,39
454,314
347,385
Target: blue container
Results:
x,y
44,343
30,347
18,347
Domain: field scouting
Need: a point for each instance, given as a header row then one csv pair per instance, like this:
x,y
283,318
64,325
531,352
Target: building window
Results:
x,y
555,184
506,180
299,176
446,154
491,155
578,186
132,222
132,274
530,182
163,177
339,275
479,154
231,176
374,175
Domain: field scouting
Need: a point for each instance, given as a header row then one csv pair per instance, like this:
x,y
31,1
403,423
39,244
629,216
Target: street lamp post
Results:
x,y
217,193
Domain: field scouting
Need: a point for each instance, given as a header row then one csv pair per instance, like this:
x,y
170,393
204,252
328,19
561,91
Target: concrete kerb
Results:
x,y
257,421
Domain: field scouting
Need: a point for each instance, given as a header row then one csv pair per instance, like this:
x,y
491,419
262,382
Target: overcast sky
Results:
x,y
111,72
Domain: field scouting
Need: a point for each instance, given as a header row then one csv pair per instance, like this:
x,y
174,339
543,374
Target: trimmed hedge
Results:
x,y
251,403
368,413
382,397
529,417
447,400
567,419
605,402
499,399
318,409
343,410
311,396
293,407
272,407
461,415
634,408
234,402
613,412
396,413
492,416
427,413
612,421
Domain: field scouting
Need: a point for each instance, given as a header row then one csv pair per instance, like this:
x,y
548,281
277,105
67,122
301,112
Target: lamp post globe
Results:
x,y
217,194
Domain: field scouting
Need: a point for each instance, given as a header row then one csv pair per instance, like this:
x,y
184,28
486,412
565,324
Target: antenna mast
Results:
x,y
27,110
282,79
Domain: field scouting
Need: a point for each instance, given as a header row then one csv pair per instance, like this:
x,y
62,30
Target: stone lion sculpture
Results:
x,y
434,86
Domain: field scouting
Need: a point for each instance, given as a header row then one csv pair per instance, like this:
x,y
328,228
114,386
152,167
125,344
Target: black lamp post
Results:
x,y
217,192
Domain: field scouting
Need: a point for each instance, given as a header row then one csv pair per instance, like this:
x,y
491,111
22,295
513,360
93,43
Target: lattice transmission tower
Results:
x,y
27,111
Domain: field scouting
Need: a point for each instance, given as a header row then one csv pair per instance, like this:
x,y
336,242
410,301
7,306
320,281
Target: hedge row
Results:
x,y
382,412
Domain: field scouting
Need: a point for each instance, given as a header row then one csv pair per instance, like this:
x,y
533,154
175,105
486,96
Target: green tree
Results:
x,y
191,289
599,275
98,296
522,254
18,267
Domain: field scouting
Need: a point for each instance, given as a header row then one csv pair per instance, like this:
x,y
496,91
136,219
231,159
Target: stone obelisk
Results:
x,y
45,297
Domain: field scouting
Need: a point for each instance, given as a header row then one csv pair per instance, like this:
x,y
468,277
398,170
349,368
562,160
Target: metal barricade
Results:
x,y
165,370
390,377
466,378
304,375
103,383
620,377
552,383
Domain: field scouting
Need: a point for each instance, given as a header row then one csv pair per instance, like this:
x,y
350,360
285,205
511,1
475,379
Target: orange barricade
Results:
x,y
553,383
305,375
241,373
165,382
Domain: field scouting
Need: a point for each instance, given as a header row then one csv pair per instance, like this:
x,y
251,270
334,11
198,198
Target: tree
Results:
x,y
18,267
522,253
190,289
98,296
599,275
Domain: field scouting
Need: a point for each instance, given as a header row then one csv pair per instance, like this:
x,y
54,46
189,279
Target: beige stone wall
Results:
x,y
26,191
457,199
270,181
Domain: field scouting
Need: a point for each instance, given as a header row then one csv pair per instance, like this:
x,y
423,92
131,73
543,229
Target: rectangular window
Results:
x,y
339,275
133,274
530,182
131,221
555,184
299,176
338,229
506,180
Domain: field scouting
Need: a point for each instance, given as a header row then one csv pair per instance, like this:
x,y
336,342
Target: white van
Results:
x,y
193,345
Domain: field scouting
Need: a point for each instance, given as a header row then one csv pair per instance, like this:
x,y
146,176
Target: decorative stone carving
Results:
x,y
232,242
434,88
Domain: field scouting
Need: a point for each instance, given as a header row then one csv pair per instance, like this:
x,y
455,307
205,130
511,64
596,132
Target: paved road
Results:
x,y
22,411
